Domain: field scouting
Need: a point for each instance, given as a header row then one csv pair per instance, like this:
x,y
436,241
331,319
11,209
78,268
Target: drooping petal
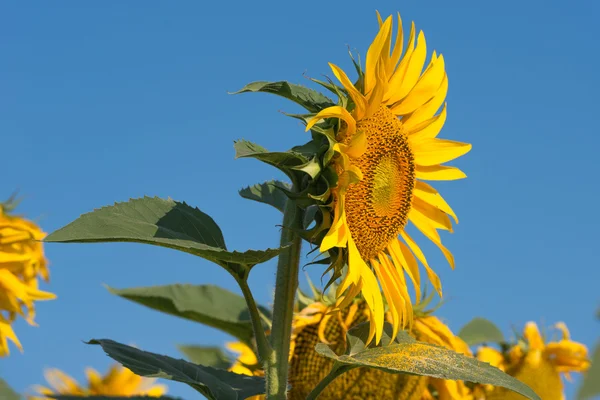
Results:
x,y
433,277
334,112
436,217
429,231
403,259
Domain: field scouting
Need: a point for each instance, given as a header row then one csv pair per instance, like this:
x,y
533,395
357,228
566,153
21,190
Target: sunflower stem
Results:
x,y
262,344
286,283
334,373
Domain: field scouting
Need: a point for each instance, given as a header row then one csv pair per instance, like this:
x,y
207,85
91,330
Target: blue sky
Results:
x,y
106,101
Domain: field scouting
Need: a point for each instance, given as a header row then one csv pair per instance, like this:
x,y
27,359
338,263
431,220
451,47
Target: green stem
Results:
x,y
264,349
286,283
334,373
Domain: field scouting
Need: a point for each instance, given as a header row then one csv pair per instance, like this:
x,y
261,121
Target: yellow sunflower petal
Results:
x,y
404,259
532,334
433,277
359,100
428,129
392,94
397,282
429,231
413,70
395,308
436,217
374,55
425,89
429,109
334,112
429,195
438,173
430,152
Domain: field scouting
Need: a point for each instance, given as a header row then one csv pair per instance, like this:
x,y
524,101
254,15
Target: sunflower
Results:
x,y
321,322
384,148
22,261
538,364
118,381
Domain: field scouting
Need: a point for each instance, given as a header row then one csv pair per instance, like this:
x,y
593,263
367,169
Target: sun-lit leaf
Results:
x,y
215,384
406,355
310,99
165,223
268,192
6,393
207,304
480,330
204,355
590,387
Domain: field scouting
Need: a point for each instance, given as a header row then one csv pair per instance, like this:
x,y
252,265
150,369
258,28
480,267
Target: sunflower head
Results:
x,y
369,158
22,262
538,362
118,381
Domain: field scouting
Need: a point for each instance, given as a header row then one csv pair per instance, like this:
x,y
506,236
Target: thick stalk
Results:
x,y
264,349
286,284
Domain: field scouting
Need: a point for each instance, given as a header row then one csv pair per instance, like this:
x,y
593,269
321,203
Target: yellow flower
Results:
x,y
245,358
22,261
385,147
118,381
540,364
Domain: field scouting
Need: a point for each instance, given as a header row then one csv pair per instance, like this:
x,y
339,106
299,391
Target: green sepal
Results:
x,y
165,223
405,355
215,384
206,304
268,193
284,161
209,356
310,99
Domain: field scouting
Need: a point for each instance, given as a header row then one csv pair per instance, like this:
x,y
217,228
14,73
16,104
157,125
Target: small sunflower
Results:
x,y
385,147
22,261
118,381
538,364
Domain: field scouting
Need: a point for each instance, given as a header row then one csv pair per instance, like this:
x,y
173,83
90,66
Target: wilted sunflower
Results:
x,y
537,364
385,146
22,261
319,322
118,381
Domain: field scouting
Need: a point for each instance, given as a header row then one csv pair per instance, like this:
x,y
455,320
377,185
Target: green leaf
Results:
x,y
406,355
590,386
6,393
310,99
206,304
215,384
480,330
268,192
165,223
285,161
204,355
70,397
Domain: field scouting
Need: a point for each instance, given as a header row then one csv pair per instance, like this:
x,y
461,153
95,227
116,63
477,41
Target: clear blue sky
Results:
x,y
104,101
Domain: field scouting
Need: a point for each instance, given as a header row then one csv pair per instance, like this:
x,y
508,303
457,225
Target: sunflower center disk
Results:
x,y
377,207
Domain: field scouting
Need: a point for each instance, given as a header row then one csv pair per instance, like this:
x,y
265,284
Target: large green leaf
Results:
x,y
6,393
206,304
406,355
268,192
310,99
590,388
205,355
165,223
480,330
288,161
70,397
215,384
